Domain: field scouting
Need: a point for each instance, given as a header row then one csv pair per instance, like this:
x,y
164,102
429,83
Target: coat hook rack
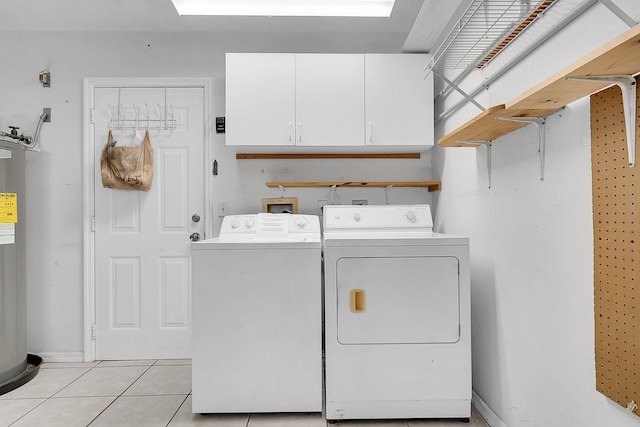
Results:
x,y
123,118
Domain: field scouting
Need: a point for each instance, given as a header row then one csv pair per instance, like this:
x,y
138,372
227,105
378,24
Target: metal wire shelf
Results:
x,y
480,29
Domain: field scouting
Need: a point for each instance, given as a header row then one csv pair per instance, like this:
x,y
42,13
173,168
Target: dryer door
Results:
x,y
404,300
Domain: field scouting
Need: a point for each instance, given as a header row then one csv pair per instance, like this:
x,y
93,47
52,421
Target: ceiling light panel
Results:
x,y
347,8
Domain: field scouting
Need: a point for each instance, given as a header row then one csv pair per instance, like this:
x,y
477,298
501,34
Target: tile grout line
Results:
x,y
120,395
177,410
32,409
74,380
46,399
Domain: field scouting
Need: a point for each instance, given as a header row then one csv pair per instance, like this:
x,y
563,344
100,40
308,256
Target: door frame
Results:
x,y
89,169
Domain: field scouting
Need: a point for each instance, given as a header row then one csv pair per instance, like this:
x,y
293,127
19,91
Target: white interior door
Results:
x,y
142,239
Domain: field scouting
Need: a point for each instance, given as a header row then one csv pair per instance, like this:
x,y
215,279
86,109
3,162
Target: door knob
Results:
x,y
195,237
195,218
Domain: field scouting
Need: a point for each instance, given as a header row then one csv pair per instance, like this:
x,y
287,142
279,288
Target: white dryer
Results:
x,y
397,315
257,344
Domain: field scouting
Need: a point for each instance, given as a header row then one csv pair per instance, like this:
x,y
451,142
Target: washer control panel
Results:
x,y
267,224
361,217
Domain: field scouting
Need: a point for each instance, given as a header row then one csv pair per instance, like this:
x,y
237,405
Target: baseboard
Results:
x,y
68,357
485,411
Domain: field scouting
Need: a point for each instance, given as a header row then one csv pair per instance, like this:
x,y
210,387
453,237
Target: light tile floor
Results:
x,y
144,393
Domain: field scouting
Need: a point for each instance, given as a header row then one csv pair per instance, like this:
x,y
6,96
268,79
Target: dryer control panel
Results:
x,y
374,217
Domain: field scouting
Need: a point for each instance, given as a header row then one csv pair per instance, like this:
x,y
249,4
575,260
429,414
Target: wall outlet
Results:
x,y
223,208
359,202
321,204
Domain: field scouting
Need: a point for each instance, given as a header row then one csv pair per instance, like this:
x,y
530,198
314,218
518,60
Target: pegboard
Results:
x,y
616,232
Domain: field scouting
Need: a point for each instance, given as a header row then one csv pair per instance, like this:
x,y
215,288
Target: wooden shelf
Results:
x,y
431,185
255,156
621,56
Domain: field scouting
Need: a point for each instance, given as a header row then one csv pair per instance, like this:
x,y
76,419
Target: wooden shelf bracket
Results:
x,y
387,191
539,122
627,84
489,146
332,193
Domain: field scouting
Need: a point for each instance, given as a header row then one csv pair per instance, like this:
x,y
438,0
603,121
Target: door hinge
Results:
x,y
92,116
93,332
93,223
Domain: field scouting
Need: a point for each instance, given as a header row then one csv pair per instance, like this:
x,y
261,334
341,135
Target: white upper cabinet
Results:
x,y
329,100
328,103
398,100
260,99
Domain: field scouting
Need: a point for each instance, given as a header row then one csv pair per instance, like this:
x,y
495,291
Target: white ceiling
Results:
x,y
160,16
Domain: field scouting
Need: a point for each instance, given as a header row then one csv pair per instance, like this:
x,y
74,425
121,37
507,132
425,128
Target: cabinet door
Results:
x,y
329,100
260,99
399,101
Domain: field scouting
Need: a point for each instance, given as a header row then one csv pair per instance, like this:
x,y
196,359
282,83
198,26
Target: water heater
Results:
x,y
16,365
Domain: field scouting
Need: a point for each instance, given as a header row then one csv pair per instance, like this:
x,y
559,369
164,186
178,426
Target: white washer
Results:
x,y
397,315
257,343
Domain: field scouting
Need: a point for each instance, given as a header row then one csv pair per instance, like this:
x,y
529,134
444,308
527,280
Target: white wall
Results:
x,y
532,249
54,175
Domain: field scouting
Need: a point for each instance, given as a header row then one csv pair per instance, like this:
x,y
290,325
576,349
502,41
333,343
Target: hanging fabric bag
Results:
x,y
127,168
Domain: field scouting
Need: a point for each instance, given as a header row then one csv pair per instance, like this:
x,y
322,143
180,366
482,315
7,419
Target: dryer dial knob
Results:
x,y
301,222
249,223
411,216
356,217
235,224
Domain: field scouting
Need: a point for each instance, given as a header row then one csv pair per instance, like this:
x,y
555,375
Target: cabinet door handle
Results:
x,y
370,131
300,132
357,301
291,132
